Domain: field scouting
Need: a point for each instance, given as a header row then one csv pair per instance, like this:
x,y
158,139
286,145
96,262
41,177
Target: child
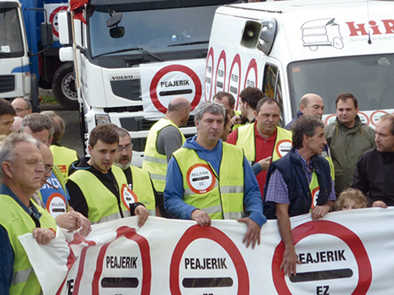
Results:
x,y
351,199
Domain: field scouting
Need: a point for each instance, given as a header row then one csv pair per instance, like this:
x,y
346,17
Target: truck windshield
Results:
x,y
370,78
11,44
156,31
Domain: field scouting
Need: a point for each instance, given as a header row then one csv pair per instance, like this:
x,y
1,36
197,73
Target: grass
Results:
x,y
47,97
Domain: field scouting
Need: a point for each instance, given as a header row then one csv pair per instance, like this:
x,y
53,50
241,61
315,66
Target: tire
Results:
x,y
63,87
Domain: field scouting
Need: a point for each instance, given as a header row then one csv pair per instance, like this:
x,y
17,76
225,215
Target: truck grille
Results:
x,y
7,83
139,123
129,89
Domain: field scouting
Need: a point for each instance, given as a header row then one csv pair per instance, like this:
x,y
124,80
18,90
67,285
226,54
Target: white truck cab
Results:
x,y
15,80
289,48
131,58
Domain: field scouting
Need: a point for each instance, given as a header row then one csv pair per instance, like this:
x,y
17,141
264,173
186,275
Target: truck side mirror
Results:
x,y
46,35
66,54
267,36
64,20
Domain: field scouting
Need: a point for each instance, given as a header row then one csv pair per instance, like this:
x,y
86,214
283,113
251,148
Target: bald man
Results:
x,y
163,140
21,106
311,104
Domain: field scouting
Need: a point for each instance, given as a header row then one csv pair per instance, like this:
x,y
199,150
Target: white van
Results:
x,y
289,48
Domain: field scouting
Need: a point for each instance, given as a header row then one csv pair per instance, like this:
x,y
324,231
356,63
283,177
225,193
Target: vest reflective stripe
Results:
x,y
114,216
213,210
232,215
16,221
314,188
142,187
247,141
100,200
157,177
62,158
231,189
21,276
154,162
225,198
189,192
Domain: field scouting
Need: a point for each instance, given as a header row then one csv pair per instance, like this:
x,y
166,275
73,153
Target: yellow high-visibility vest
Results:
x,y
154,162
221,196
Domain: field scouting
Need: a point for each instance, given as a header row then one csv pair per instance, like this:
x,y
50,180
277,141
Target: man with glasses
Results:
x,y
98,189
138,180
54,197
21,172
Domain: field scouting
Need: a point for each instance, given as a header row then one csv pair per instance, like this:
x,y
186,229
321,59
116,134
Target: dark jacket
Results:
x,y
290,125
300,197
374,176
347,145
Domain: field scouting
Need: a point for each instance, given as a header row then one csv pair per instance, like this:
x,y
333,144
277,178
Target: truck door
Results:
x,y
272,86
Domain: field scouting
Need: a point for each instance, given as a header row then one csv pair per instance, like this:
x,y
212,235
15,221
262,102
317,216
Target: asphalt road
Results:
x,y
72,137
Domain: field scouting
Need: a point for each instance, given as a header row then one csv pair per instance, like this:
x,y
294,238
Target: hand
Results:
x,y
265,163
236,120
84,223
201,217
320,211
290,260
43,235
252,236
68,221
142,214
380,204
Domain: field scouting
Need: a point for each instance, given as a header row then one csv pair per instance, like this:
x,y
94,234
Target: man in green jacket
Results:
x,y
348,138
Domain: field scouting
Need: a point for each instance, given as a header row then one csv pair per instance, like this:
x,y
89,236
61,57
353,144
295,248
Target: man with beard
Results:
x,y
138,180
374,171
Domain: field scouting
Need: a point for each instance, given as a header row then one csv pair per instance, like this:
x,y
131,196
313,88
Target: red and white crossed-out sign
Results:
x,y
206,261
345,253
53,10
162,83
341,255
119,266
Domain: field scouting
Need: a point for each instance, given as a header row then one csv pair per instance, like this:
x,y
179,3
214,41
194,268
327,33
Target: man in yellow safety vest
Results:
x,y
208,179
21,171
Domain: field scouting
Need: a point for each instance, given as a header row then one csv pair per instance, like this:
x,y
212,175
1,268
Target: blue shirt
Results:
x,y
6,251
173,192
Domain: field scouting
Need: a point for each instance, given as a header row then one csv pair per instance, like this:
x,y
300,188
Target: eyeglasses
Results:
x,y
126,147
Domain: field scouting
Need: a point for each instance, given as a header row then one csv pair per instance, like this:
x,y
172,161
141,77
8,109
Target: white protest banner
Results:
x,y
161,82
347,252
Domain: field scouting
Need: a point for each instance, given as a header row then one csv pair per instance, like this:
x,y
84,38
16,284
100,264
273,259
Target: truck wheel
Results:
x,y
63,86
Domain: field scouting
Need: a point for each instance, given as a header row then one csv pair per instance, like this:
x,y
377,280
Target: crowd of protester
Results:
x,y
240,165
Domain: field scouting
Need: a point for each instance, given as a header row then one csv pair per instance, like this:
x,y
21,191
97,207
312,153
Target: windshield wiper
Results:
x,y
133,49
189,43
